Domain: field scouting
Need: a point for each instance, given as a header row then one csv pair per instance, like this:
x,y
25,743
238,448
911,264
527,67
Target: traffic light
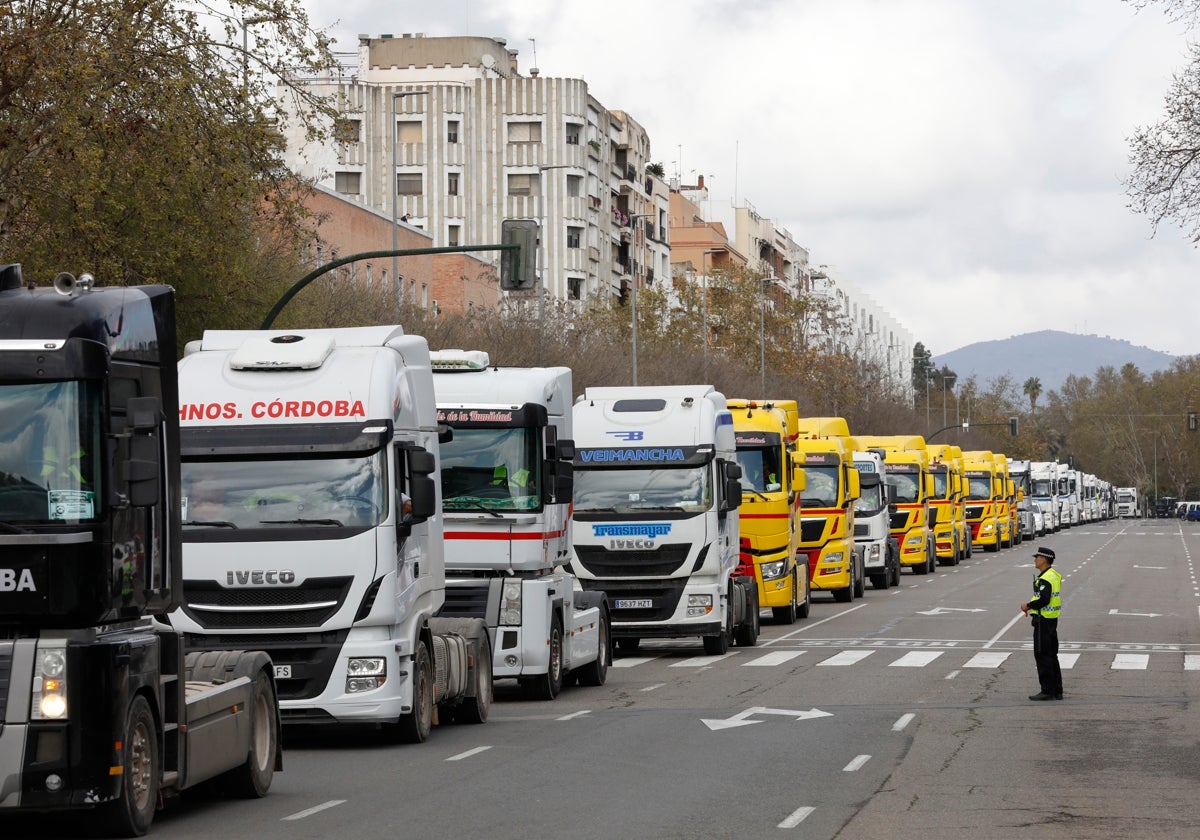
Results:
x,y
1012,426
518,269
1191,421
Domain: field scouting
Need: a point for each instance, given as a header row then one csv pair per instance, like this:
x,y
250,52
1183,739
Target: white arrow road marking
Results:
x,y
1140,615
943,610
740,718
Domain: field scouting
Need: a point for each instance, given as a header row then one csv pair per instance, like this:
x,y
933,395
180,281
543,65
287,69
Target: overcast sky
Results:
x,y
960,160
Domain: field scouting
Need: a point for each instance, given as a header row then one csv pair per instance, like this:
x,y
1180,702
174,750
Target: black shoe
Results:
x,y
1041,695
1058,696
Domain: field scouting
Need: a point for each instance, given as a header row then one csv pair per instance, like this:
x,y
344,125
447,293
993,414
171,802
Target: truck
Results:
x,y
1044,477
104,707
655,521
985,512
313,526
1005,496
951,534
831,484
1031,522
506,482
873,511
1127,502
769,517
907,471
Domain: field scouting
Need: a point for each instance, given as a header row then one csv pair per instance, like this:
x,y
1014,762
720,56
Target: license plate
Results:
x,y
633,603
283,672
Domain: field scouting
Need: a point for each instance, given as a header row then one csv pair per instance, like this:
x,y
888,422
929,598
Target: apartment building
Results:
x,y
448,135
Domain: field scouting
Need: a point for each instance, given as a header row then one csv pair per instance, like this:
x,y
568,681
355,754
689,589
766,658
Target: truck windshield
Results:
x,y
497,469
980,489
50,452
316,492
870,499
906,484
761,470
687,489
820,487
941,485
1043,487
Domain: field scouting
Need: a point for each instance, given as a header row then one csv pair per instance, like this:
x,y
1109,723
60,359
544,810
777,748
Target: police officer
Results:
x,y
1044,610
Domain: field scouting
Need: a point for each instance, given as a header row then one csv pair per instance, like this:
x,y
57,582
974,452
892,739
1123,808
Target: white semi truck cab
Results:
x,y
312,526
873,511
656,514
506,505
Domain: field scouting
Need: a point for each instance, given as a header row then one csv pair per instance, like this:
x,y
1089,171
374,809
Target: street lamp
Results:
x,y
762,336
704,300
396,198
633,294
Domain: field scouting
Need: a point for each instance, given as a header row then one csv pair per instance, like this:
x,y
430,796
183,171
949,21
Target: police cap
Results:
x,y
1048,553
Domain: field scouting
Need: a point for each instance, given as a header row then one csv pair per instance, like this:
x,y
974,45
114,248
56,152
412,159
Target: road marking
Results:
x,y
1130,661
468,754
953,674
700,661
1191,662
991,659
1148,567
846,657
630,661
809,625
1139,615
316,809
902,721
796,817
652,687
741,718
944,610
775,657
856,764
574,715
1004,630
916,659
1066,661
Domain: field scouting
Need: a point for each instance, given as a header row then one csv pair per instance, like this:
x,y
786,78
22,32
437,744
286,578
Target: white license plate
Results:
x,y
283,672
633,603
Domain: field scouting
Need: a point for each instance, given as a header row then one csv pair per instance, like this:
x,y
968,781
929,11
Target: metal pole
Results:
x,y
633,293
762,339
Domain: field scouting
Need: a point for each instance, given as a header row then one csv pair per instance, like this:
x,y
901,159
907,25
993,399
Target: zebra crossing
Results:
x,y
989,659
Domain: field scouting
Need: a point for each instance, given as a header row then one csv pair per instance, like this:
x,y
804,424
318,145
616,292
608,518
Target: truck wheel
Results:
x,y
130,814
846,594
787,615
548,685
595,673
802,608
860,578
252,780
414,727
717,645
747,632
475,709
895,572
881,581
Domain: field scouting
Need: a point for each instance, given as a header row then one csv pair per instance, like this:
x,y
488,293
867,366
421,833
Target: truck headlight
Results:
x,y
914,541
872,553
698,605
49,700
510,603
774,569
834,556
365,673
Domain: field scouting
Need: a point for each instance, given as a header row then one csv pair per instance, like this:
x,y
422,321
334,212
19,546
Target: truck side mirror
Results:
x,y
422,489
142,469
853,484
560,472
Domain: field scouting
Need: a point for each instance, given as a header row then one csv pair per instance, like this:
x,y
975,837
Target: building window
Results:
x,y
348,183
574,130
575,287
409,131
348,130
409,183
452,183
452,234
524,132
574,235
524,184
452,131
575,185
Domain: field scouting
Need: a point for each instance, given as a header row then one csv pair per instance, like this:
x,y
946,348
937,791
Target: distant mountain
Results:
x,y
1051,356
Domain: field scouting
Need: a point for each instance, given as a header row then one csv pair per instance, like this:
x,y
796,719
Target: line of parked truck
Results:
x,y
340,526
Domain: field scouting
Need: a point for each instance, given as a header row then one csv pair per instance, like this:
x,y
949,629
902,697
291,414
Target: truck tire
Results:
x,y
414,727
475,709
595,673
746,633
717,645
132,812
547,686
802,608
787,615
252,780
881,581
860,576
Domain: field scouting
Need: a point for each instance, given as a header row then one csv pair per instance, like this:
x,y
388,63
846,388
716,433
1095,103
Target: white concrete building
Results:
x,y
446,133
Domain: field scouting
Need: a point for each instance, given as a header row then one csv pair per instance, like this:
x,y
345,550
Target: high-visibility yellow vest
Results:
x,y
1052,609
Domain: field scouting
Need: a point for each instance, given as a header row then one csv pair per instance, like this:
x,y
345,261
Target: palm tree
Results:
x,y
1033,390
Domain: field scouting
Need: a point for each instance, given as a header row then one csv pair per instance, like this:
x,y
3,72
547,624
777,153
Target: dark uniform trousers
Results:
x,y
1045,654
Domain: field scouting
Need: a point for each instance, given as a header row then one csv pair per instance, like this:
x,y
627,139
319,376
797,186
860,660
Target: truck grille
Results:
x,y
469,600
811,530
309,605
663,561
974,511
310,655
899,520
861,530
664,594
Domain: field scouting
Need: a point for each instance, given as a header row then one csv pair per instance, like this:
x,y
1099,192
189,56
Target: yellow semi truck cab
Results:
x,y
951,536
983,510
772,481
827,510
1006,513
907,468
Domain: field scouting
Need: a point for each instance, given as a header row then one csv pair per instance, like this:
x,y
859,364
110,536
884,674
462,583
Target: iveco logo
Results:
x,y
630,545
260,577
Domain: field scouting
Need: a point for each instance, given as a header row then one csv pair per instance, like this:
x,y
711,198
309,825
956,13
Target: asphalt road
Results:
x,y
903,714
